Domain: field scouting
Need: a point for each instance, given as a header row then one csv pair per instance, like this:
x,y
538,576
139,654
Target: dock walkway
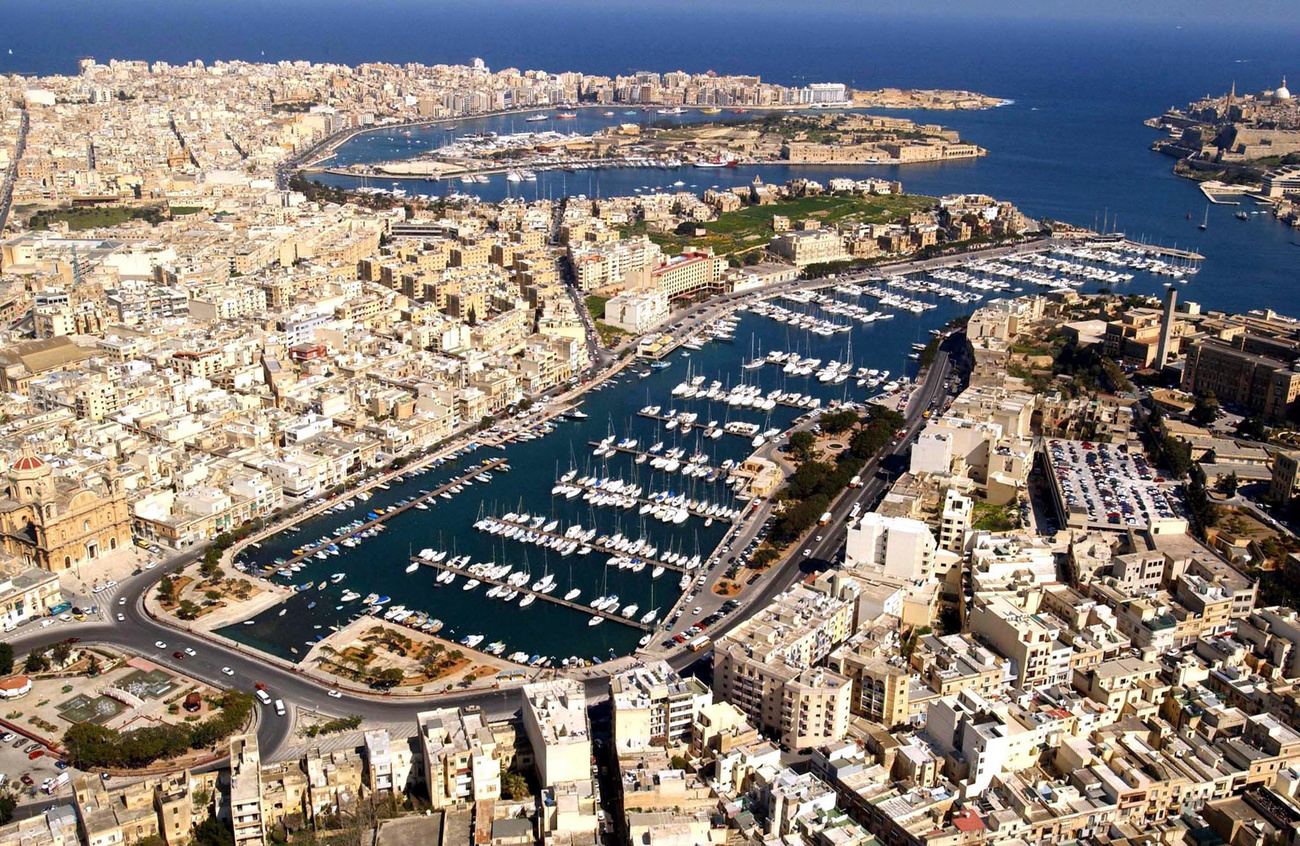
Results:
x,y
595,546
558,600
309,551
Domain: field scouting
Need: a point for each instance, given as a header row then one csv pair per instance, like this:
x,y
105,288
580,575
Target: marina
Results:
x,y
663,477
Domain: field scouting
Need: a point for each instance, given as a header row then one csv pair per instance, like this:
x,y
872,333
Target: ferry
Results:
x,y
535,118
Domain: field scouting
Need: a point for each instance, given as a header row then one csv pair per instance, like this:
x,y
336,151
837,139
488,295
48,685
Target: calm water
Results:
x,y
1072,147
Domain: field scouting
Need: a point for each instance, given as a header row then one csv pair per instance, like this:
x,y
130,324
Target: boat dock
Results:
x,y
595,547
1165,252
641,500
558,600
650,456
309,551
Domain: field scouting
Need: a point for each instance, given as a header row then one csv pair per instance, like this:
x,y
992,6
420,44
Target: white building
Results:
x,y
555,721
900,547
637,311
654,705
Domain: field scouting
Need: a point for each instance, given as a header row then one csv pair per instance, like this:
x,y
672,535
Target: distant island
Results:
x,y
828,137
938,99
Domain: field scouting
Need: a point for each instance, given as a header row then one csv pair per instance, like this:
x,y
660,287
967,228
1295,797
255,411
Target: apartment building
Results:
x,y
654,706
555,721
896,547
246,820
813,246
767,667
462,756
1031,642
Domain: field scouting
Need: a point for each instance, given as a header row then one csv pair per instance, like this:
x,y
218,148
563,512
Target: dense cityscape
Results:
x,y
341,504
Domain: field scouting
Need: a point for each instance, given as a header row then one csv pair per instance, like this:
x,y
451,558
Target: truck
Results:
x,y
826,518
855,481
51,785
262,696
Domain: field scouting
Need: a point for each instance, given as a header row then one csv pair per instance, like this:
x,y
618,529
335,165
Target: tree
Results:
x,y
6,659
189,610
1253,428
514,786
1227,485
167,589
62,652
801,445
92,667
7,806
678,762
36,662
1206,409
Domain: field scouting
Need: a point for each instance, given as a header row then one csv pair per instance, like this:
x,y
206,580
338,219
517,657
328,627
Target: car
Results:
x,y
190,652
61,765
20,742
65,617
696,610
159,644
121,601
260,686
227,671
32,748
334,694
27,780
151,565
807,553
7,736
121,618
178,655
819,539
111,583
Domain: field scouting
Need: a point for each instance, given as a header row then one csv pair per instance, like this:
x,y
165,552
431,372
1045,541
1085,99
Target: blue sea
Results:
x,y
1071,146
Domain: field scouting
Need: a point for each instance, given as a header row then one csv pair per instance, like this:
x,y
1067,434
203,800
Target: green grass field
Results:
x,y
751,226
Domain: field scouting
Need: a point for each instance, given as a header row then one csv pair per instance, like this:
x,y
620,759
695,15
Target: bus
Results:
x,y
699,643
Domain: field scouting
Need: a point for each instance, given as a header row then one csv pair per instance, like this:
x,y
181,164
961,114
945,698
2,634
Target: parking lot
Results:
x,y
1106,486
15,763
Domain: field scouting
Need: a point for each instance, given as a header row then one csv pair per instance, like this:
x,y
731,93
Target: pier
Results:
x,y
595,545
640,500
309,551
558,600
684,462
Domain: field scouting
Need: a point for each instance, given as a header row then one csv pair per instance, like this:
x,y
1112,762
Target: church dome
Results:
x,y
1282,92
28,463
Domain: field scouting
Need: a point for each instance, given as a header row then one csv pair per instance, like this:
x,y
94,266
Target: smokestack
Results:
x,y
1166,328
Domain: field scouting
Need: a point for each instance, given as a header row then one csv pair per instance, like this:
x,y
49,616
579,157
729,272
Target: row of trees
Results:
x,y
91,745
816,483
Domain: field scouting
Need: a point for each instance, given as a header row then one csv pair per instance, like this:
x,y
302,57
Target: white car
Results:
x,y
46,623
112,583
122,601
334,694
160,644
227,671
151,565
121,618
696,611
190,652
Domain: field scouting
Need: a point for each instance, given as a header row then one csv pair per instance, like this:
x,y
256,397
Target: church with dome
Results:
x,y
1233,128
56,522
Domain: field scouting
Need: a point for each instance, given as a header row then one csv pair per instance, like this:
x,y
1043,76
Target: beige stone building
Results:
x,y
55,522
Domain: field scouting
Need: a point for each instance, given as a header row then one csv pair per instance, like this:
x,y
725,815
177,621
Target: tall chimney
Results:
x,y
1166,328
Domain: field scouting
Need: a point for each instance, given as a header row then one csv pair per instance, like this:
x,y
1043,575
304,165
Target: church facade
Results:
x,y
57,523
